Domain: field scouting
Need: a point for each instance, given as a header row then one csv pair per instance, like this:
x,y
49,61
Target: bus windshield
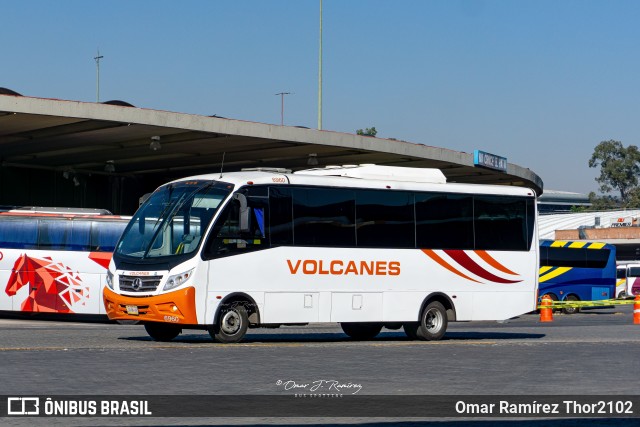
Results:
x,y
172,221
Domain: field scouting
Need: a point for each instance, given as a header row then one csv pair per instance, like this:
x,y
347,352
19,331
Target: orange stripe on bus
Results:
x,y
431,254
493,263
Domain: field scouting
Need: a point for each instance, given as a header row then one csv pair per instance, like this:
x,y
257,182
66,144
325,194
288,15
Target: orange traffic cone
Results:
x,y
636,310
546,312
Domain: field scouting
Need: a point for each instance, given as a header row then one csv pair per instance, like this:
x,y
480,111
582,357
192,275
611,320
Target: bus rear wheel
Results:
x,y
361,331
231,326
571,310
162,331
433,322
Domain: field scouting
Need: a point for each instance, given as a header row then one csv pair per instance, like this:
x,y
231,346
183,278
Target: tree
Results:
x,y
619,168
602,203
367,132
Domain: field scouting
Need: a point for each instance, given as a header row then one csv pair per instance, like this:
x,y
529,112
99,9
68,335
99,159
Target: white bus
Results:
x,y
621,281
53,260
364,246
632,280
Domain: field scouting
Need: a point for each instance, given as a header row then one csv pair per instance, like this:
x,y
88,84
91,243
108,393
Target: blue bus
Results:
x,y
577,271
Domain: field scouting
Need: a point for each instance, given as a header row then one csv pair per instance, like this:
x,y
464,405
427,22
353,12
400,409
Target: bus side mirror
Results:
x,y
243,220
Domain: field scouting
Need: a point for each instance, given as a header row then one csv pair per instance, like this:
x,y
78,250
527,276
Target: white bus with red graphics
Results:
x,y
54,260
364,246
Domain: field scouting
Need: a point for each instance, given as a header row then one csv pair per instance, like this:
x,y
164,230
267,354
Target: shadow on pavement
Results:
x,y
303,337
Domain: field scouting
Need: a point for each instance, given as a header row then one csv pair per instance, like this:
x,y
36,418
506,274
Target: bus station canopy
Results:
x,y
114,138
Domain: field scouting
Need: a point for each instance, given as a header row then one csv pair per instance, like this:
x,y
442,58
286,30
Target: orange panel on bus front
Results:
x,y
174,307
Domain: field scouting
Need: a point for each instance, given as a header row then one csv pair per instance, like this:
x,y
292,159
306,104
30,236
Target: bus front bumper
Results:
x,y
173,307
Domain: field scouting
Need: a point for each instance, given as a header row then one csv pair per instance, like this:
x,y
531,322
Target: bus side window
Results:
x,y
19,234
80,236
54,234
500,223
444,221
385,219
104,235
226,238
280,216
324,217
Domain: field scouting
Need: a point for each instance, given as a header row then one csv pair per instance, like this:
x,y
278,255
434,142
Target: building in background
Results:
x,y
561,201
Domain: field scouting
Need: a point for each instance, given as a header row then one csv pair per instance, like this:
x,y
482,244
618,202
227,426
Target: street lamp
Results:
x,y
320,74
98,58
282,94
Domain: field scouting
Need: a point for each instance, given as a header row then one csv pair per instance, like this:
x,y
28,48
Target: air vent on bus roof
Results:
x,y
388,173
59,210
263,169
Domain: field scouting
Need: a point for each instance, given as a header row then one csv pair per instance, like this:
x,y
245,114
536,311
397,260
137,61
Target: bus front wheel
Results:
x,y
231,326
162,331
361,331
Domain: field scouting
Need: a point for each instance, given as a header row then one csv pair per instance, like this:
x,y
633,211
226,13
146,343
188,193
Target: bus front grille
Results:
x,y
139,284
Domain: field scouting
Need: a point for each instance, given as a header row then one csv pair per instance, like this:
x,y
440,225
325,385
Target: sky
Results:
x,y
538,82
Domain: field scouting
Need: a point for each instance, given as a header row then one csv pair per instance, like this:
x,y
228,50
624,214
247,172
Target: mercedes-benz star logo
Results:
x,y
137,284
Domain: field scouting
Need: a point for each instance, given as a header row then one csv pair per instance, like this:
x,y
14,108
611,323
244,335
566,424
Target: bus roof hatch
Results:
x,y
385,173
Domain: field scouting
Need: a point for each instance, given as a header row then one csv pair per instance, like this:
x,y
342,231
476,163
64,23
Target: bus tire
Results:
x,y
571,310
361,331
433,322
162,331
231,326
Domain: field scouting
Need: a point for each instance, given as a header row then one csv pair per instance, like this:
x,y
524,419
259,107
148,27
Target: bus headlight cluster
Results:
x,y
110,279
177,280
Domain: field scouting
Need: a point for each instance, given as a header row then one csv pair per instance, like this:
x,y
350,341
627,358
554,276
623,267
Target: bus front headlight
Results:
x,y
177,280
110,280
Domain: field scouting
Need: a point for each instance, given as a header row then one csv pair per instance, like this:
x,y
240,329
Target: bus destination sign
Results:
x,y
488,160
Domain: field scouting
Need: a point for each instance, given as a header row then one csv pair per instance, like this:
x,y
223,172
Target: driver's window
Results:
x,y
227,239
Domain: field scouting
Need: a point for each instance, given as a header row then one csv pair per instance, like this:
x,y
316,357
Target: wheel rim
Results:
x,y
231,322
571,310
433,320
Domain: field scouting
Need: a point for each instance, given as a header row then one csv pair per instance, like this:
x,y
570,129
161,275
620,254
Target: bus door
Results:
x,y
621,281
240,229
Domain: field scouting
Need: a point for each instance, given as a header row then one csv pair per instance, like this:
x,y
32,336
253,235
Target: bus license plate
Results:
x,y
132,310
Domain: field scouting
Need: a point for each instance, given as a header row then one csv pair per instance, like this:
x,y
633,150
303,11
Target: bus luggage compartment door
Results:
x,y
598,293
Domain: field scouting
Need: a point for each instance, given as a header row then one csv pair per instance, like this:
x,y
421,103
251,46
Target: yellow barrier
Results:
x,y
600,303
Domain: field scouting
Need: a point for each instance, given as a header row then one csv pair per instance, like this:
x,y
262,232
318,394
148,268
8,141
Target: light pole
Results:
x,y
282,94
320,74
98,58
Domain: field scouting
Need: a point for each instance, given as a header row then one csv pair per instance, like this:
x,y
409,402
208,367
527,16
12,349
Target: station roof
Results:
x,y
85,137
